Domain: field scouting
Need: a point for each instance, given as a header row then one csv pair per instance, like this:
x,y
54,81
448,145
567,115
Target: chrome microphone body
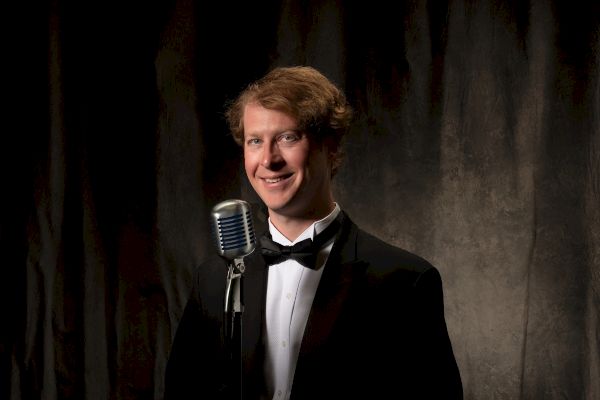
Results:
x,y
235,239
233,229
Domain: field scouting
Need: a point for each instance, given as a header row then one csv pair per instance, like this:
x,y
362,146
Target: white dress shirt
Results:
x,y
291,289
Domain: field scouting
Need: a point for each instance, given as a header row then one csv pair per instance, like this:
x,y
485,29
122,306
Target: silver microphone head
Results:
x,y
233,229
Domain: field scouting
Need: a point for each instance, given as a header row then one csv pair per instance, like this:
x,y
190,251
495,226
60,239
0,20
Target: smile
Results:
x,y
273,180
277,179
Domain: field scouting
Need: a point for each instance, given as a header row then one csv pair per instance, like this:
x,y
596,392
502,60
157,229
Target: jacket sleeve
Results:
x,y
438,376
196,365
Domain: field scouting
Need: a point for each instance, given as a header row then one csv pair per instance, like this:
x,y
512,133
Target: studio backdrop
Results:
x,y
476,144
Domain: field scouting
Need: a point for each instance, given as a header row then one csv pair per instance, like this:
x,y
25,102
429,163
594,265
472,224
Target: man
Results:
x,y
360,319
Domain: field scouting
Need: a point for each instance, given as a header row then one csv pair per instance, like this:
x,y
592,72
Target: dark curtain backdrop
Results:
x,y
476,145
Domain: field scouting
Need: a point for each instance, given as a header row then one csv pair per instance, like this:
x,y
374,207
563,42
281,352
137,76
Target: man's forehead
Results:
x,y
258,120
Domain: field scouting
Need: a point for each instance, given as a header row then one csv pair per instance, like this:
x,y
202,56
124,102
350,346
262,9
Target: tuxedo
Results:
x,y
376,329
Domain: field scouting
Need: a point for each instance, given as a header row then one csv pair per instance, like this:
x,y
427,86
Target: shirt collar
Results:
x,y
309,233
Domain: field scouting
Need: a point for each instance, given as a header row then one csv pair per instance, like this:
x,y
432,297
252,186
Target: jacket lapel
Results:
x,y
333,295
254,290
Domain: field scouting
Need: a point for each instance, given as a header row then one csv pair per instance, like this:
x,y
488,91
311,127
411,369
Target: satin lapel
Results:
x,y
333,294
254,306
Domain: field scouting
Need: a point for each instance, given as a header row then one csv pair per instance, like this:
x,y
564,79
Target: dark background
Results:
x,y
476,145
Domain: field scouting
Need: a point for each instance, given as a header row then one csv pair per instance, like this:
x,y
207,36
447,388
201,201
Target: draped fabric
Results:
x,y
476,145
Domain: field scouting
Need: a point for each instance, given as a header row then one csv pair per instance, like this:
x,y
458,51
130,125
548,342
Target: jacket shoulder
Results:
x,y
385,258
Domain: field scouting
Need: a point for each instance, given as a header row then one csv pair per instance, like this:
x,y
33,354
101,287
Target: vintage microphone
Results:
x,y
233,230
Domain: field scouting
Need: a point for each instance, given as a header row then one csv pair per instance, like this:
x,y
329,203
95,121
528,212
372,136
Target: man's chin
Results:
x,y
282,209
277,209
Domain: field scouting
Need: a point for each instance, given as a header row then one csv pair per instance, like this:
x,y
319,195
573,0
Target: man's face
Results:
x,y
288,172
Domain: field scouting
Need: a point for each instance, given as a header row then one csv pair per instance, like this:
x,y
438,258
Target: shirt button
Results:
x,y
289,296
279,393
283,343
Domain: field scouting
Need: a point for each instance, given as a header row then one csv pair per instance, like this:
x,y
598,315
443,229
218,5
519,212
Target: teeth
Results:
x,y
273,180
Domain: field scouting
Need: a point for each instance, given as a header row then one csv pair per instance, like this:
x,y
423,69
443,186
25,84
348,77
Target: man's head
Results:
x,y
290,124
318,106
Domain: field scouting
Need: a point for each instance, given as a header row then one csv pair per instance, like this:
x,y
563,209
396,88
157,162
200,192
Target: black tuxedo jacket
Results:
x,y
376,329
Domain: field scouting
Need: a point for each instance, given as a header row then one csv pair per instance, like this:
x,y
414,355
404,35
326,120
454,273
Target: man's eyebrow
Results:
x,y
288,131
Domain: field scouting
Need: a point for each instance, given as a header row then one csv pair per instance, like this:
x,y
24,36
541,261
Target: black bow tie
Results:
x,y
305,251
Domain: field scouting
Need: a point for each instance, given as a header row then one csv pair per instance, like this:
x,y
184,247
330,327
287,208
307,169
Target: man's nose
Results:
x,y
271,155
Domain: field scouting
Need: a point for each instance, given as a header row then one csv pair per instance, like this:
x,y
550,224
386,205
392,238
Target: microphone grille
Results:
x,y
234,230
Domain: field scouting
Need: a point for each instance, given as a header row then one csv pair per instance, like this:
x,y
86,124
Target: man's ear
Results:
x,y
331,149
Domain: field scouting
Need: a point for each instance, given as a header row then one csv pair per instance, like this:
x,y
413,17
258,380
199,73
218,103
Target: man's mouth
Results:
x,y
277,179
273,180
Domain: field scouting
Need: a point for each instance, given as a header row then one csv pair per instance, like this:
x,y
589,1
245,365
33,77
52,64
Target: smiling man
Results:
x,y
347,315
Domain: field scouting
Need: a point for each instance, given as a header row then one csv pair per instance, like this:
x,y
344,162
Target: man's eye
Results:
x,y
253,141
288,138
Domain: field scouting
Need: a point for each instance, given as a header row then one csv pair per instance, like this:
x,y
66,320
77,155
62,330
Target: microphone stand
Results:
x,y
234,307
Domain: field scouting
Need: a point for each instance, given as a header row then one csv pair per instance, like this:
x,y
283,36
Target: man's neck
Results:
x,y
292,226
